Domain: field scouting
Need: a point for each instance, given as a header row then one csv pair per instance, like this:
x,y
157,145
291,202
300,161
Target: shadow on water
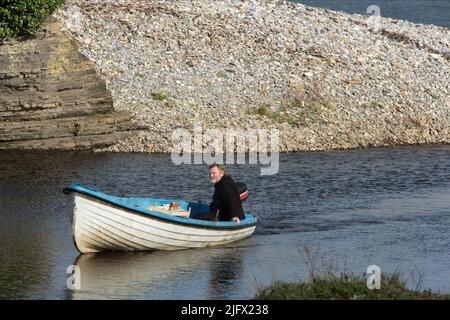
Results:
x,y
225,273
17,276
145,275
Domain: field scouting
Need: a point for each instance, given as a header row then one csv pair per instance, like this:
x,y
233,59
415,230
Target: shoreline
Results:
x,y
100,151
392,11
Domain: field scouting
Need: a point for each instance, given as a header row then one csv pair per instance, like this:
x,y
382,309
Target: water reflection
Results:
x,y
224,273
145,275
17,276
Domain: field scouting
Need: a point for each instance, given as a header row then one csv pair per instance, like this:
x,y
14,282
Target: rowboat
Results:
x,y
102,222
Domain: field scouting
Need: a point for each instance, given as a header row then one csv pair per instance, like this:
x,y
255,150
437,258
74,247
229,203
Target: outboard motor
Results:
x,y
242,189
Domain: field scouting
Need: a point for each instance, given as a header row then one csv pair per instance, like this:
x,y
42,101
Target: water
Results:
x,y
389,207
435,12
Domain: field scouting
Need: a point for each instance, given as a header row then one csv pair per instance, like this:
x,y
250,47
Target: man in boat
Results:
x,y
226,204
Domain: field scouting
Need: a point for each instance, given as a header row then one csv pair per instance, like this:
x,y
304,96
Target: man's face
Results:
x,y
215,174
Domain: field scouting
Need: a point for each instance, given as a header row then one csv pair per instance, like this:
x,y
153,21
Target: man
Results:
x,y
226,204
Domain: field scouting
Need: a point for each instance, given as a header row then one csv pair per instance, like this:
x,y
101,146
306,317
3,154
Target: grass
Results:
x,y
159,96
305,113
346,287
373,104
303,103
324,284
264,110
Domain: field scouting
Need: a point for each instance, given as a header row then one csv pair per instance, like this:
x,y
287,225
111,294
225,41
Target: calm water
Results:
x,y
419,11
389,207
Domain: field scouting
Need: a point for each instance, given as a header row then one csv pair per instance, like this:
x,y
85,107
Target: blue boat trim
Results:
x,y
249,220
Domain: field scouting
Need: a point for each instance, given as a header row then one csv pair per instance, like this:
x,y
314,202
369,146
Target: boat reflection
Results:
x,y
180,274
225,273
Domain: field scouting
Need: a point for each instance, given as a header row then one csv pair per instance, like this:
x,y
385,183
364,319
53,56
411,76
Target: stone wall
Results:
x,y
52,98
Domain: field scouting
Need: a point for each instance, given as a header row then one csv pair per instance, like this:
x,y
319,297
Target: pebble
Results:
x,y
172,63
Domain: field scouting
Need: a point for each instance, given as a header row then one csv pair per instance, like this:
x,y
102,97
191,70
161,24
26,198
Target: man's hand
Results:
x,y
236,219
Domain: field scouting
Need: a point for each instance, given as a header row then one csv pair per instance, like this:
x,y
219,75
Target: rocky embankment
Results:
x,y
52,98
324,79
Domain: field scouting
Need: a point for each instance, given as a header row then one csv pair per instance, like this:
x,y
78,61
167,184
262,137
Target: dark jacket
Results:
x,y
226,200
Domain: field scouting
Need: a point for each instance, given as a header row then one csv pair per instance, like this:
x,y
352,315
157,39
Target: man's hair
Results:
x,y
220,167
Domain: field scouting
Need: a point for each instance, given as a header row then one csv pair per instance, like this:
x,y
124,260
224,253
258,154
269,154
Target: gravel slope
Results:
x,y
324,79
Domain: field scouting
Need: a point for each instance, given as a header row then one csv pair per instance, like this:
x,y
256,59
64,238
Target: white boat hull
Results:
x,y
99,226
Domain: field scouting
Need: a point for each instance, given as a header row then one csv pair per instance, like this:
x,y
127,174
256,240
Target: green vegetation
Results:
x,y
346,287
302,104
310,104
302,113
159,96
139,75
264,110
21,18
309,108
324,284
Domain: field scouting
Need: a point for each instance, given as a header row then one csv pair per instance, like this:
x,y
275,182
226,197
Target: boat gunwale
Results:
x,y
193,223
